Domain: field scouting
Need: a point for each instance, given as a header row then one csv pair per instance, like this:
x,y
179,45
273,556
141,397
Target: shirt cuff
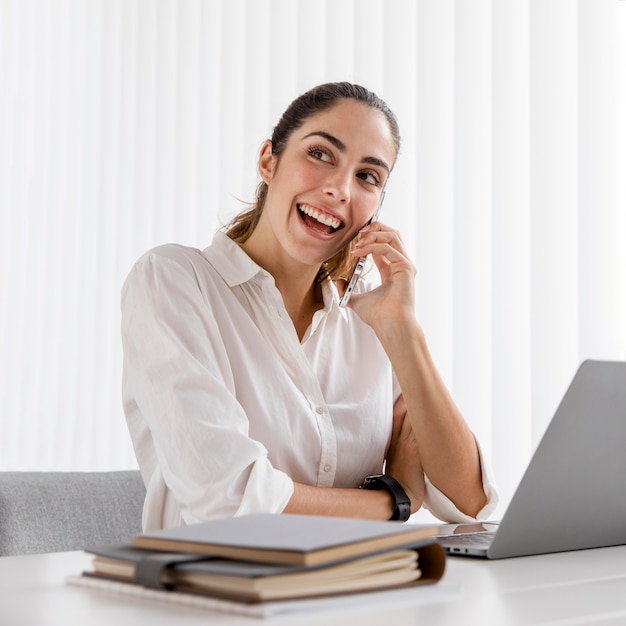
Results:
x,y
268,490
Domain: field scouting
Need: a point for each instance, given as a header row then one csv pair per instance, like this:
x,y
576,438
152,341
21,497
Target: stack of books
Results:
x,y
264,557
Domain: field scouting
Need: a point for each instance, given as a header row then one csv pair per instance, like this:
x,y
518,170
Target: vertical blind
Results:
x,y
125,124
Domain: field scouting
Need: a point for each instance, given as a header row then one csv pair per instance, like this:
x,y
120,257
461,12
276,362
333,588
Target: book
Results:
x,y
265,557
252,582
285,539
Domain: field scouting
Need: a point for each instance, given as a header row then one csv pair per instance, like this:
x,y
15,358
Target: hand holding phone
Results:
x,y
358,270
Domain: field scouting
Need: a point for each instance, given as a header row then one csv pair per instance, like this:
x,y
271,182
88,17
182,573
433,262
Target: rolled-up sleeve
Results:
x,y
190,433
444,509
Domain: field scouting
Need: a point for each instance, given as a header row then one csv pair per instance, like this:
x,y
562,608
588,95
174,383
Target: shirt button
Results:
x,y
319,410
328,467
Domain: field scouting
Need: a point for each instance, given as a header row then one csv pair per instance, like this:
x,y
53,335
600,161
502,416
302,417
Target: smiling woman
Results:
x,y
326,189
320,144
248,389
329,173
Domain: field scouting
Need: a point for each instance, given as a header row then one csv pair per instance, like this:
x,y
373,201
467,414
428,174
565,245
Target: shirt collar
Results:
x,y
230,260
331,297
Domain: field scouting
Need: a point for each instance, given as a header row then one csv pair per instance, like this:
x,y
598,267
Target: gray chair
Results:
x,y
59,511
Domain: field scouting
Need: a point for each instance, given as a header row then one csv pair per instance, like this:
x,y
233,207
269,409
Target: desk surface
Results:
x,y
565,589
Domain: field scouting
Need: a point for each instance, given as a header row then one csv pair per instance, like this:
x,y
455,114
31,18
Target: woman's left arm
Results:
x,y
447,449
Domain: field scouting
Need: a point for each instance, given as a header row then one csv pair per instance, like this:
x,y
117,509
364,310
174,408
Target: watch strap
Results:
x,y
402,502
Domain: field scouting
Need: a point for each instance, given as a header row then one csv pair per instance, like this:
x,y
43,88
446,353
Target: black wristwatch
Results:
x,y
402,502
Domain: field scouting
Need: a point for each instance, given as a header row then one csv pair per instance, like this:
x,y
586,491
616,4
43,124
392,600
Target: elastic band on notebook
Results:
x,y
149,571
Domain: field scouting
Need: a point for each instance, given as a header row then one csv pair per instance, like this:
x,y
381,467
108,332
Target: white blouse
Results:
x,y
226,407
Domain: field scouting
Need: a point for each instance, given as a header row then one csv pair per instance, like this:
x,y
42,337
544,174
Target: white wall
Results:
x,y
129,123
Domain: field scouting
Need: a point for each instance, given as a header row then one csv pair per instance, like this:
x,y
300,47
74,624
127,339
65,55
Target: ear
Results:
x,y
267,162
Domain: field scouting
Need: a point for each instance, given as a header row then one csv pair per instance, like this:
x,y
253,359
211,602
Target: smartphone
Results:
x,y
358,270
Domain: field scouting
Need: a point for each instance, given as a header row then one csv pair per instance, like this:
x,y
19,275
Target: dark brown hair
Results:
x,y
314,101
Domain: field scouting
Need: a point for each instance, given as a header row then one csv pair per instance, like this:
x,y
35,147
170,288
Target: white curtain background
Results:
x,y
129,123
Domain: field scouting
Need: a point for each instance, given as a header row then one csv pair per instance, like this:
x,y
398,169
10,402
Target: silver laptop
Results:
x,y
573,493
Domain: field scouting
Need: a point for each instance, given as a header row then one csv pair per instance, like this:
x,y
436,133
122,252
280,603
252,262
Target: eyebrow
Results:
x,y
342,148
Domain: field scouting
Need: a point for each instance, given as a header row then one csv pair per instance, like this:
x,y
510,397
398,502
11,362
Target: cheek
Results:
x,y
294,181
307,177
364,207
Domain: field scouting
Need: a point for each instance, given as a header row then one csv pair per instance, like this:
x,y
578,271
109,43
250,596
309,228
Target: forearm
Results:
x,y
447,448
361,503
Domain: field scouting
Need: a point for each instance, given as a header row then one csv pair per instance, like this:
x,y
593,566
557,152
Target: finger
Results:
x,y
389,237
386,256
376,229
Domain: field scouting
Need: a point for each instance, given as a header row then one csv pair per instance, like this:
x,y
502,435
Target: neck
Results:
x,y
297,283
302,308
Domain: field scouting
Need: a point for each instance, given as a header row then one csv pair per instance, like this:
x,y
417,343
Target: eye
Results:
x,y
319,153
369,177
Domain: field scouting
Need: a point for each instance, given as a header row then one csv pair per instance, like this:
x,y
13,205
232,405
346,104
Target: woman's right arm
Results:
x,y
331,501
188,429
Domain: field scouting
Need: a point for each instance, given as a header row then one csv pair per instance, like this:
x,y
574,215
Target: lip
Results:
x,y
322,214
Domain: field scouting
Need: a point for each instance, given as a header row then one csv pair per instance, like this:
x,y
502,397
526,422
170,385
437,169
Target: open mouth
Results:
x,y
319,221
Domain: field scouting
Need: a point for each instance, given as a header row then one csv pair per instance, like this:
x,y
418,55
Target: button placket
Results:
x,y
328,452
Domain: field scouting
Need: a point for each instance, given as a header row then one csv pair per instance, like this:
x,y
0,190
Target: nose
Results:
x,y
337,186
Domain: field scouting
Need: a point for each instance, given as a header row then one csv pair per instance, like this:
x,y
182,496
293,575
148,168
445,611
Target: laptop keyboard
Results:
x,y
468,539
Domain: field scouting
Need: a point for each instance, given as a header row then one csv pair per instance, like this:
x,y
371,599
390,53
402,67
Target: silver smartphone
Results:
x,y
358,270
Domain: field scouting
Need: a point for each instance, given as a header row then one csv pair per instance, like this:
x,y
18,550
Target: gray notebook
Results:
x,y
573,493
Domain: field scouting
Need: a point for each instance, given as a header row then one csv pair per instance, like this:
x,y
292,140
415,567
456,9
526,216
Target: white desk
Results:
x,y
569,588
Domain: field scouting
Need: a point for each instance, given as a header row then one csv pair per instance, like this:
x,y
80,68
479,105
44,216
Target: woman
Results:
x,y
248,389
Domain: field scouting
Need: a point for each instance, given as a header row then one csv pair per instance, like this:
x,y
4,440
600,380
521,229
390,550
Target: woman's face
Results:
x,y
325,185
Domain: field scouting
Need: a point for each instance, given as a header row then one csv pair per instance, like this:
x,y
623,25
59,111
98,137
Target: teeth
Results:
x,y
323,218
